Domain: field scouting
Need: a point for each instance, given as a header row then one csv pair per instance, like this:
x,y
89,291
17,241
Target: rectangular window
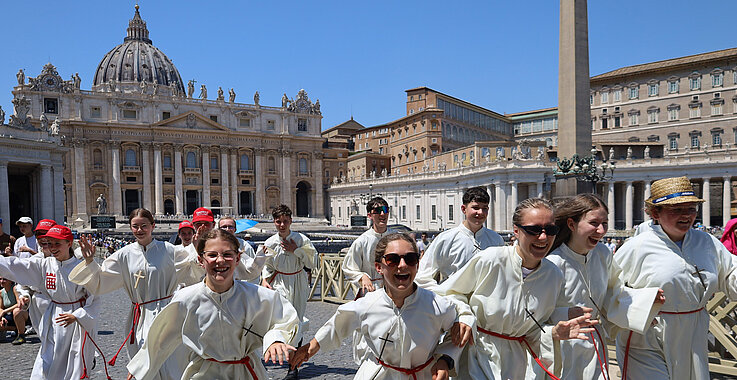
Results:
x,y
604,97
694,83
604,123
51,105
417,208
652,117
244,123
617,95
450,213
634,92
652,89
404,212
214,118
215,181
591,99
716,109
617,122
716,139
433,212
717,80
165,115
673,114
302,126
673,87
95,112
129,114
694,141
130,179
695,112
168,180
672,143
270,125
339,209
634,119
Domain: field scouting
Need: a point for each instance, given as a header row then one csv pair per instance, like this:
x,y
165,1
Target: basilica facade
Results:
x,y
141,137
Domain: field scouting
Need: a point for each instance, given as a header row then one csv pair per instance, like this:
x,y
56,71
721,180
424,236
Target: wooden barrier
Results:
x,y
333,285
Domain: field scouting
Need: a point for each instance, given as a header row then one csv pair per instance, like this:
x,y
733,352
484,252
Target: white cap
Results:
x,y
24,219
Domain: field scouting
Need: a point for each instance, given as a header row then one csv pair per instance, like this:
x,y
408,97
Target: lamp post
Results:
x,y
584,169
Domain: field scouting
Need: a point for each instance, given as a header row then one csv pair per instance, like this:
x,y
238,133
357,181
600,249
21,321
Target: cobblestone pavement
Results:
x,y
17,361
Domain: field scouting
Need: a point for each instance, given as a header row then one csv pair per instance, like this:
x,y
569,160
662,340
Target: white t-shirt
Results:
x,y
24,241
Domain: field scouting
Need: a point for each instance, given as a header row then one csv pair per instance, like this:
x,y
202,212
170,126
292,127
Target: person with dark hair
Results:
x,y
690,266
452,249
406,328
592,280
69,322
221,321
508,294
288,253
150,271
358,264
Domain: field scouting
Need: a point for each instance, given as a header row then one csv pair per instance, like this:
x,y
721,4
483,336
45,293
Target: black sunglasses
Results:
x,y
550,229
380,209
392,259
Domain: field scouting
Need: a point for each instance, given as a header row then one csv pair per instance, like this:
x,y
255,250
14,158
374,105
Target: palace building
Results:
x,y
141,137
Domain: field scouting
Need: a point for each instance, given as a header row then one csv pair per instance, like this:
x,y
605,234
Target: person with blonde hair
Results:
x,y
690,266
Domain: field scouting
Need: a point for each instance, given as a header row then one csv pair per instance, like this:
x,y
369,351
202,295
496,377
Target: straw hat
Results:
x,y
671,191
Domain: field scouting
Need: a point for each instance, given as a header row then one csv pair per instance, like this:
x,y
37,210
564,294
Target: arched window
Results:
x,y
97,157
303,166
244,162
272,165
191,160
130,158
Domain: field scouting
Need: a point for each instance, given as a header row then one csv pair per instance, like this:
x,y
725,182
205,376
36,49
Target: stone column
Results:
x,y
260,181
178,178
58,175
540,191
498,206
610,203
46,188
726,200
80,182
4,197
512,203
146,170
492,208
205,176
235,180
117,202
646,217
158,180
286,187
706,206
319,206
628,214
224,182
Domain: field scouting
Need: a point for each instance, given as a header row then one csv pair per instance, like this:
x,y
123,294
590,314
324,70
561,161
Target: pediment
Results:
x,y
191,120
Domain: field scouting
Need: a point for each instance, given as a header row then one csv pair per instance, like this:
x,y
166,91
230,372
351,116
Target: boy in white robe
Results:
x,y
452,249
690,266
223,322
71,312
289,253
401,324
506,294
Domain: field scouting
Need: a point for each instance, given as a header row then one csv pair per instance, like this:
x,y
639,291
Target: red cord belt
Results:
x,y
136,317
271,279
629,337
246,360
411,371
82,301
520,339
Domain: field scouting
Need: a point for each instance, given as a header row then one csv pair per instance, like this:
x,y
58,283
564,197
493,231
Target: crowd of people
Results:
x,y
465,304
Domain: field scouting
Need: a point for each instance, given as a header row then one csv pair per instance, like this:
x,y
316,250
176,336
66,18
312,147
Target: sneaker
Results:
x,y
19,340
30,330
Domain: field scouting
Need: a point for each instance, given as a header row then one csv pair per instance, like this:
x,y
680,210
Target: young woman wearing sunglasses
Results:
x,y
509,293
401,324
592,280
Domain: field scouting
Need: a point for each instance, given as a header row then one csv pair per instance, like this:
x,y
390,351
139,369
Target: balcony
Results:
x,y
303,174
97,167
245,172
192,170
131,169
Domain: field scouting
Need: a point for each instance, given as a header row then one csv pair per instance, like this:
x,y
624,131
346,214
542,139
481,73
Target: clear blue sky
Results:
x,y
359,57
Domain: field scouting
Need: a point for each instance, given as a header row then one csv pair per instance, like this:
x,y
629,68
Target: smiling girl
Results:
x,y
592,280
70,318
221,321
400,324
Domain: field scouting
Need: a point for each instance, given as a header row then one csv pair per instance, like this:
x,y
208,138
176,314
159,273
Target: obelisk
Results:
x,y
574,109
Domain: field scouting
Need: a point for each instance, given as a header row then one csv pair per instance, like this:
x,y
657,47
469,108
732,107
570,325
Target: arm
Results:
x,y
250,267
98,280
352,262
629,308
188,268
23,271
429,264
460,288
283,325
163,338
306,253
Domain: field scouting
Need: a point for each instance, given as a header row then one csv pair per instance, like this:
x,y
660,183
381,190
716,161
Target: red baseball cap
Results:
x,y
45,225
186,224
203,215
59,232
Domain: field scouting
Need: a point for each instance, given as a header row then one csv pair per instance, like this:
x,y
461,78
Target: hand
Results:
x,y
366,283
23,302
440,370
129,377
201,231
289,245
577,311
88,250
304,353
26,249
660,297
8,251
461,334
278,350
266,284
575,328
65,319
